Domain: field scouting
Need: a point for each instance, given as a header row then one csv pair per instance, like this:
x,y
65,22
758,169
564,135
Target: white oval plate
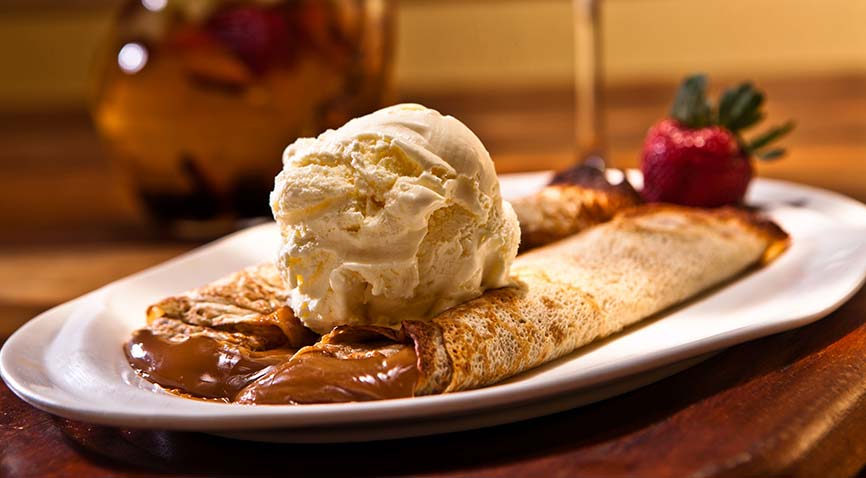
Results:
x,y
68,361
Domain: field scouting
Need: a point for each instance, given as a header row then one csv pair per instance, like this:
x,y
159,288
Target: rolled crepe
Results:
x,y
566,295
576,199
586,287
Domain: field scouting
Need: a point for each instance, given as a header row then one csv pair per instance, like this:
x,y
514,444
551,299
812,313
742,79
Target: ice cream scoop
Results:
x,y
396,215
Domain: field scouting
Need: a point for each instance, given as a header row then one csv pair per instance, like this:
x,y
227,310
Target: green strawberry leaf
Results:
x,y
747,120
691,107
727,101
745,110
771,154
770,136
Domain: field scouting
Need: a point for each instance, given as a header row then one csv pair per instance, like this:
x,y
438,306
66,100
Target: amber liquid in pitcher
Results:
x,y
197,100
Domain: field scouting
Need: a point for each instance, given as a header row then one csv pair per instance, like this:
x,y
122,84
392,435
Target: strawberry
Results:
x,y
697,157
258,35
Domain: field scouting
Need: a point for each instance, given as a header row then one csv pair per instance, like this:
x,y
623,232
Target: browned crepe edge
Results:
x,y
599,201
777,239
434,364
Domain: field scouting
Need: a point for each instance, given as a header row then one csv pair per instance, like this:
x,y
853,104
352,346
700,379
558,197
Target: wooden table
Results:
x,y
789,404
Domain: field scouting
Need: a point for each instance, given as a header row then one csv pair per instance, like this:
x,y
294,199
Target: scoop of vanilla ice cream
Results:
x,y
396,215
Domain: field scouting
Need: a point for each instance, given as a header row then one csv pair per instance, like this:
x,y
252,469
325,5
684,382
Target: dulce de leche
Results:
x,y
207,368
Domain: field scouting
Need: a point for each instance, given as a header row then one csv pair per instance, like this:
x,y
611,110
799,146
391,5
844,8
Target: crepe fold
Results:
x,y
581,289
576,199
246,309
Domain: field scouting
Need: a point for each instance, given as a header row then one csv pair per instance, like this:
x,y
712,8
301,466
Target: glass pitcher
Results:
x,y
198,98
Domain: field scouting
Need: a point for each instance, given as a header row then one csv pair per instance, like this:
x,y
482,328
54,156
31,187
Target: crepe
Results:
x,y
588,287
213,341
569,294
247,308
576,199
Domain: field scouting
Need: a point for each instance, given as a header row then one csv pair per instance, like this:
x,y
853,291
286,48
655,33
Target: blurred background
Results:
x,y
100,133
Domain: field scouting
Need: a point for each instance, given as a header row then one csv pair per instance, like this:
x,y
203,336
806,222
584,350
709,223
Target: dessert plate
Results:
x,y
69,362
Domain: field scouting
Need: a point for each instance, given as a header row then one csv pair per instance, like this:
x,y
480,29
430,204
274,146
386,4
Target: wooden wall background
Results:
x,y
46,45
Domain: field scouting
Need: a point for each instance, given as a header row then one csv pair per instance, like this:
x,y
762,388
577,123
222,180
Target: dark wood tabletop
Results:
x,y
792,404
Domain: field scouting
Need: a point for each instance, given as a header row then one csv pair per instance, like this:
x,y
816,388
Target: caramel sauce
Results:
x,y
201,367
318,376
198,365
297,334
